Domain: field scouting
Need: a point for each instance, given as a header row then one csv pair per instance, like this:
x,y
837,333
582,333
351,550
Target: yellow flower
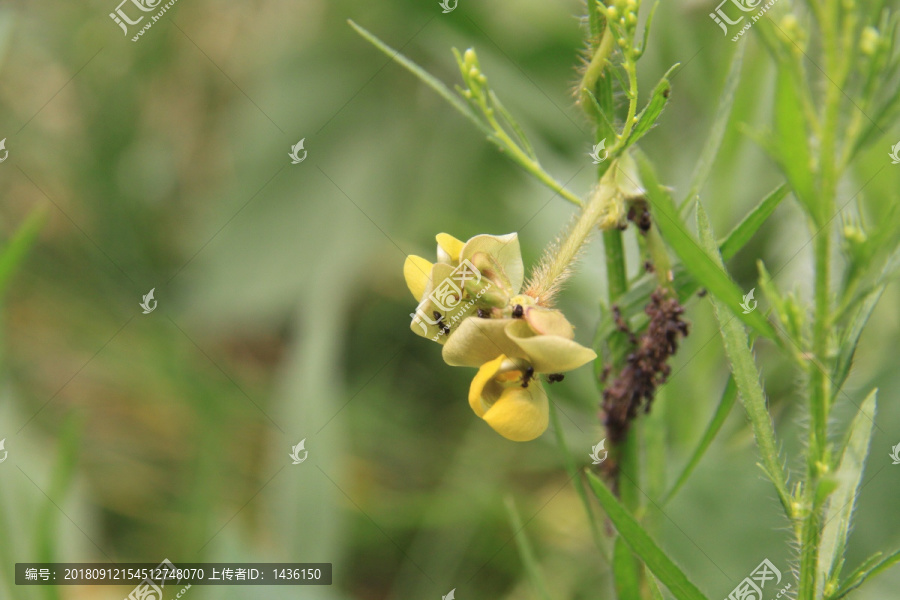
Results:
x,y
479,273
503,394
467,303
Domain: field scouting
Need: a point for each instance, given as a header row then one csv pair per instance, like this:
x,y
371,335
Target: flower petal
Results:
x,y
449,248
521,414
547,321
417,271
477,341
547,353
505,249
483,379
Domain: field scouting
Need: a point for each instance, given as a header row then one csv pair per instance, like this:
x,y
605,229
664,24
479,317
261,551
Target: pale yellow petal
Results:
x,y
417,270
505,249
449,248
477,341
548,353
547,321
521,414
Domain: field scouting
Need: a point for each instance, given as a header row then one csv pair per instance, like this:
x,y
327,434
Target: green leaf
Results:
x,y
791,147
21,242
705,270
640,542
850,339
655,593
525,551
596,21
849,476
721,414
871,567
648,117
747,228
626,572
46,532
431,81
720,122
746,376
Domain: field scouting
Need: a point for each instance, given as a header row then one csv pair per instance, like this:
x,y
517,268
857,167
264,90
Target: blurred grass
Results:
x,y
283,315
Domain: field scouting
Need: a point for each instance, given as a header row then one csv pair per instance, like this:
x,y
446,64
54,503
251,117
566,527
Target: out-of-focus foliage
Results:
x,y
283,314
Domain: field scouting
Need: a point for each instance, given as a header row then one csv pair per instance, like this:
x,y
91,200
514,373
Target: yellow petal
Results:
x,y
449,248
521,414
477,341
548,353
416,270
549,322
482,379
505,250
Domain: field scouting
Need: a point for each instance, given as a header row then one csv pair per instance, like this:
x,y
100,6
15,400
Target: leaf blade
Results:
x,y
746,376
720,122
640,542
839,515
729,395
698,262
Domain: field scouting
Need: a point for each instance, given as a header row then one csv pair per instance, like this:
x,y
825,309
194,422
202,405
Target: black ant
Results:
x,y
445,329
484,314
526,378
518,311
555,377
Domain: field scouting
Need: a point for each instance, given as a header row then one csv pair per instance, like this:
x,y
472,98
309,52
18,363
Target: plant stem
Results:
x,y
616,276
818,458
507,144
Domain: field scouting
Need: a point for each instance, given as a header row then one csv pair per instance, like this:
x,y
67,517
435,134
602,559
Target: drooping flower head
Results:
x,y
470,301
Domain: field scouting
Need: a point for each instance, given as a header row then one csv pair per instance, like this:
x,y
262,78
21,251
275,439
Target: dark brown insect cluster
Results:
x,y
646,367
639,214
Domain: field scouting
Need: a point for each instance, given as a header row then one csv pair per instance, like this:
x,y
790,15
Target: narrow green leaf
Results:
x,y
705,270
626,572
720,122
525,551
849,476
746,375
655,592
648,117
46,531
850,341
864,572
21,242
426,77
791,149
748,227
647,27
721,414
596,21
640,542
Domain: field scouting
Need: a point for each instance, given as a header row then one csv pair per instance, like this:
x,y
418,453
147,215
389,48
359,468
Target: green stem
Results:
x,y
818,460
506,143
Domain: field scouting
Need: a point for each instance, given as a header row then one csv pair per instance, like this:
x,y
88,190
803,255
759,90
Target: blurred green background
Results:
x,y
283,314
